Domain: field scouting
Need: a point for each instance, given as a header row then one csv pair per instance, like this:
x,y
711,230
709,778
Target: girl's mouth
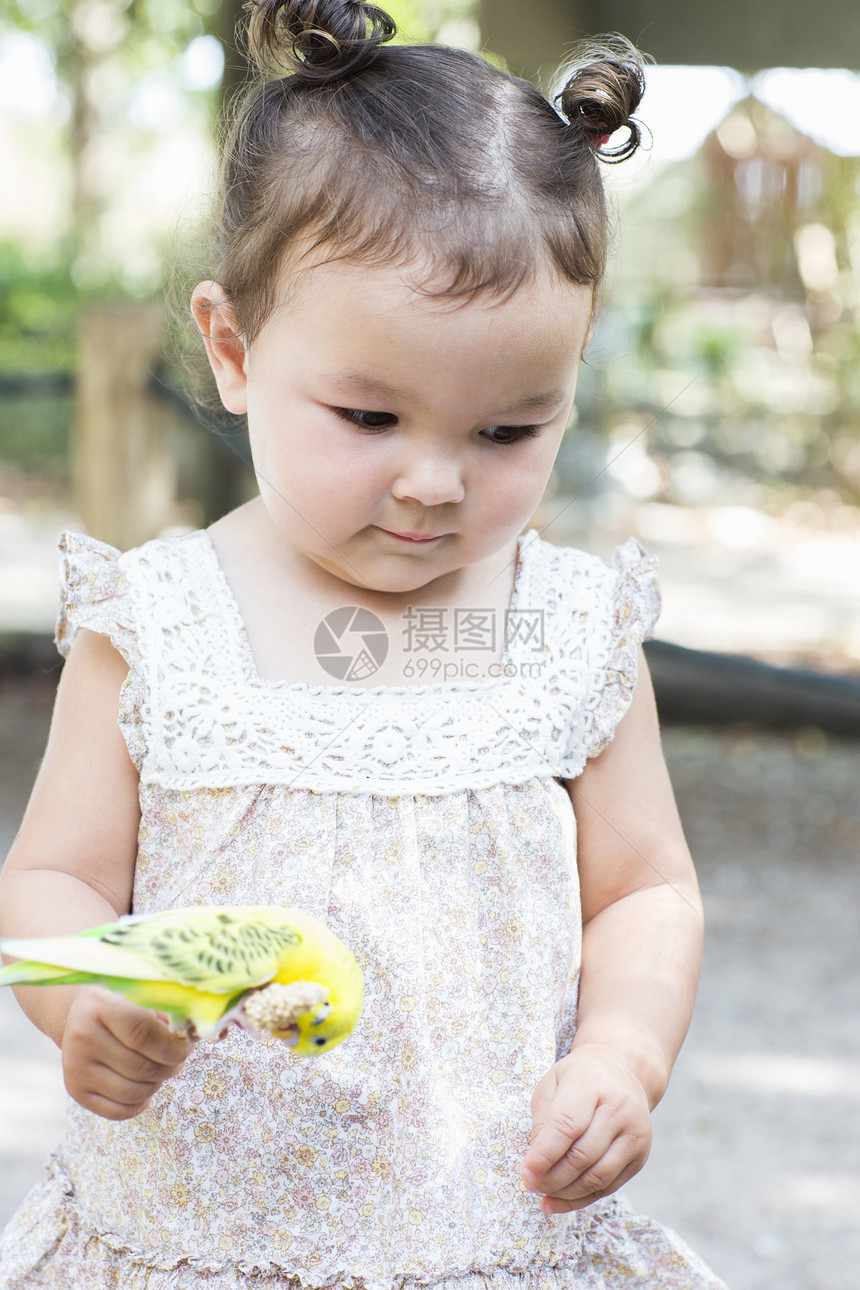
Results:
x,y
414,537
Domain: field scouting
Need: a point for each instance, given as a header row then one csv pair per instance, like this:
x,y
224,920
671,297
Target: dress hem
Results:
x,y
56,1244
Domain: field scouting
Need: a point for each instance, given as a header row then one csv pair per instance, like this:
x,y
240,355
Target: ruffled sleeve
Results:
x,y
631,611
612,607
96,593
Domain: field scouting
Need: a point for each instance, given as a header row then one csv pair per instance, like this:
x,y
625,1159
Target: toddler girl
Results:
x,y
410,245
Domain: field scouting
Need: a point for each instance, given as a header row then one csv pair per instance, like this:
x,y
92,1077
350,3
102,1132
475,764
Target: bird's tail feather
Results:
x,y
36,974
83,953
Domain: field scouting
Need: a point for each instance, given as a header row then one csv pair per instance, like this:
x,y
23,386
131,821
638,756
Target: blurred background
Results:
x,y
719,409
718,420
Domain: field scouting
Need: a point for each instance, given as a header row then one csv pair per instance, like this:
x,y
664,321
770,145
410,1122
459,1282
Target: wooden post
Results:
x,y
534,39
124,479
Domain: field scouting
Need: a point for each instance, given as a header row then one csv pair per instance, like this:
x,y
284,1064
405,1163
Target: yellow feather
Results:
x,y
198,964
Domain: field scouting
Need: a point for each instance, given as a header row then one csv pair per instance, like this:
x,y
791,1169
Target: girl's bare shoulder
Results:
x,y
84,812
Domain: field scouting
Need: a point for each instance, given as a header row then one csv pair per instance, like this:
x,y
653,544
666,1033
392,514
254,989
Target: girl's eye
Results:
x,y
384,420
512,434
367,420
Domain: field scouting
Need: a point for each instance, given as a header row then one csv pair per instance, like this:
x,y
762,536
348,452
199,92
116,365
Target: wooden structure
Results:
x,y
124,473
533,38
696,687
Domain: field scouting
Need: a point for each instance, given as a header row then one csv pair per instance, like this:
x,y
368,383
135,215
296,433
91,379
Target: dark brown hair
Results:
x,y
396,154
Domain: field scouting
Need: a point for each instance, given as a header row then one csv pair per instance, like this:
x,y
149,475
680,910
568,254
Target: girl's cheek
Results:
x,y
331,486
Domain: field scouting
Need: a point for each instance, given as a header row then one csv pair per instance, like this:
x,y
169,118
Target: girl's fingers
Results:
x,y
136,1067
592,1124
110,1108
140,1031
604,1169
577,1153
133,1056
552,1140
566,1204
96,1086
116,1055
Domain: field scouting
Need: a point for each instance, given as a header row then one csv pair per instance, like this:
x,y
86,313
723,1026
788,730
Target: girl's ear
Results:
x,y
216,322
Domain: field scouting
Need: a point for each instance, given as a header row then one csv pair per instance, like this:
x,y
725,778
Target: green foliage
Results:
x,y
768,406
138,35
35,431
39,305
38,302
420,21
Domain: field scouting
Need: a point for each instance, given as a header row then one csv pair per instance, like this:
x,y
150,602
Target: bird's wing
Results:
x,y
76,954
216,949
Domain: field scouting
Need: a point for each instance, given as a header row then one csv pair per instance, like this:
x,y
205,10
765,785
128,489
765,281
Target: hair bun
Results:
x,y
316,40
606,81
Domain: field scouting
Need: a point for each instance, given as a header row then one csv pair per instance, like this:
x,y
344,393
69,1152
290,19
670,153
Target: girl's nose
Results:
x,y
431,481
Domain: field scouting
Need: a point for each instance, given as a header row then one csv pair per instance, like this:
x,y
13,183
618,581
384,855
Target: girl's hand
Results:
x,y
592,1129
116,1054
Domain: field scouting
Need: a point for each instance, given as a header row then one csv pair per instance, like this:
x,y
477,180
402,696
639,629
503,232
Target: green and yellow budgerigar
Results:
x,y
263,966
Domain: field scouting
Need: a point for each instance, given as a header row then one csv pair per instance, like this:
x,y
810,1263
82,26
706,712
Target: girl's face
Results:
x,y
375,411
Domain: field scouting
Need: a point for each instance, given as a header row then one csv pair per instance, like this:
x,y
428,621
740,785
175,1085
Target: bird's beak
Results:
x,y
290,1037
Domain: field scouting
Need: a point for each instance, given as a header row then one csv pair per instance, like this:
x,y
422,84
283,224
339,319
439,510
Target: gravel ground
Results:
x,y
756,1160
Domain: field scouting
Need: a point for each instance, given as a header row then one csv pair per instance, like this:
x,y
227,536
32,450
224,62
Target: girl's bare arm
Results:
x,y
641,909
72,867
642,946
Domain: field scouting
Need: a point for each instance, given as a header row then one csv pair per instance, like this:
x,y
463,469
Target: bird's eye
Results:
x,y
319,1040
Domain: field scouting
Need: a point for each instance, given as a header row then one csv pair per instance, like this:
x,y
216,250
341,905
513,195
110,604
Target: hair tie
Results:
x,y
599,132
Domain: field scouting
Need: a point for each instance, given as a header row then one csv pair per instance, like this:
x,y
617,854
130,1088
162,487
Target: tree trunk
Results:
x,y
228,481
124,475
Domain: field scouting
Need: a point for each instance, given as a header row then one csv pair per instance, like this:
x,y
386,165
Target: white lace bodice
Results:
x,y
196,712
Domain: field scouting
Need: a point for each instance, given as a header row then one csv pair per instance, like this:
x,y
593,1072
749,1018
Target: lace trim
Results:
x,y
97,592
632,612
206,719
